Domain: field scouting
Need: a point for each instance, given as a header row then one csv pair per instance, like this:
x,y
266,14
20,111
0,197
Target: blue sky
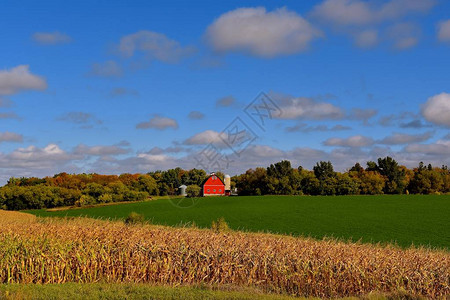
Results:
x,y
108,86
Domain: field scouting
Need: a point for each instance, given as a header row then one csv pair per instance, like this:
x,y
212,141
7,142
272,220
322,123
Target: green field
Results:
x,y
402,219
129,291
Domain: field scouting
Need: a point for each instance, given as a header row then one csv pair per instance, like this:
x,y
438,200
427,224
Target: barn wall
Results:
x,y
213,187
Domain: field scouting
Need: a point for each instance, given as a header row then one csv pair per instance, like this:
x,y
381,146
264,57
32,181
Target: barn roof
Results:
x,y
204,181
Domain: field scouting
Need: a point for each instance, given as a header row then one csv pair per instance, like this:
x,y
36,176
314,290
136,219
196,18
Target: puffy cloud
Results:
x,y
8,116
363,20
444,31
35,157
121,92
441,147
123,143
406,42
307,108
258,32
10,137
264,151
196,115
158,122
154,45
51,38
109,68
176,149
402,138
100,150
35,161
357,12
85,120
204,138
344,12
353,141
226,101
366,38
414,124
20,79
303,127
364,115
404,35
437,109
393,119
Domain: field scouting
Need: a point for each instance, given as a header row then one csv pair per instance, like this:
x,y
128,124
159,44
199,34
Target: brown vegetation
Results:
x,y
84,250
15,216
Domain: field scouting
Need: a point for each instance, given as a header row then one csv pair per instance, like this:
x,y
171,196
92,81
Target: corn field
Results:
x,y
85,250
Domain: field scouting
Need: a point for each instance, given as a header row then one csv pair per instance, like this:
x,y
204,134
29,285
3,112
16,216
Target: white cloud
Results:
x,y
109,68
437,109
414,124
393,119
366,39
402,138
10,137
158,122
8,116
353,141
196,115
35,161
79,117
226,101
365,21
404,35
204,138
407,42
35,157
258,32
83,119
122,92
20,79
441,147
357,12
344,12
303,127
100,150
444,31
306,108
176,149
51,38
361,114
262,151
154,45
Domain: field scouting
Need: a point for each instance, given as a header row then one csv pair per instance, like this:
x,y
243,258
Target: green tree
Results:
x,y
323,170
281,179
193,191
395,175
147,183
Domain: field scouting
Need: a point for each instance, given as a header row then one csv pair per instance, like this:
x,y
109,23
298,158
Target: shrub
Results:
x,y
105,198
134,218
85,200
193,190
220,225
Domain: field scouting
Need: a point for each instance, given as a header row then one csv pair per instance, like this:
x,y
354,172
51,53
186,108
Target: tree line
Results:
x,y
385,176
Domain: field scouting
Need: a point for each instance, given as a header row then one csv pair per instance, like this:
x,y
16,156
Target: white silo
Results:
x,y
182,190
227,184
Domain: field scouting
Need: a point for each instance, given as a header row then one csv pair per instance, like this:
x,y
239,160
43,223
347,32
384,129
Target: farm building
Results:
x,y
213,186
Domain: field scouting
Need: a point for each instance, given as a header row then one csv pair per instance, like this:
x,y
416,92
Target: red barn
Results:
x,y
213,186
